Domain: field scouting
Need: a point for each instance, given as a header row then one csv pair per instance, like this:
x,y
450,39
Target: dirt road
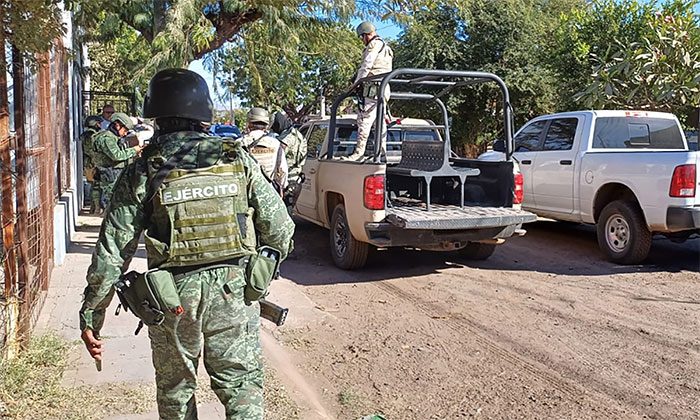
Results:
x,y
543,329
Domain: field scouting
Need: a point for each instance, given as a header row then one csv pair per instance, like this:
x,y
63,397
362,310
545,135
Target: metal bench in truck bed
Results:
x,y
429,159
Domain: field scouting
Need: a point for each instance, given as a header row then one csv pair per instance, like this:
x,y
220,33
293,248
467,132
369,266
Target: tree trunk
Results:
x,y
158,16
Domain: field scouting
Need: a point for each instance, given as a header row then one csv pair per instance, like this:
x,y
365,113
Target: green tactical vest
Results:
x,y
201,215
86,138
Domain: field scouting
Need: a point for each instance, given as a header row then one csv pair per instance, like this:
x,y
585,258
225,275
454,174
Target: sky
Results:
x,y
386,30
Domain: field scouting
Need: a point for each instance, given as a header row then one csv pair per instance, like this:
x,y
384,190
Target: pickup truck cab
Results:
x,y
628,172
415,194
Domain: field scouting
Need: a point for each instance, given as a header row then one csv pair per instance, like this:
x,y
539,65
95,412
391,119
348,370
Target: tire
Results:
x,y
477,251
347,252
623,235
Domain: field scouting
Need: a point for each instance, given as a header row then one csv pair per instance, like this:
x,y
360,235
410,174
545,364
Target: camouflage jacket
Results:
x,y
295,152
125,220
108,152
88,144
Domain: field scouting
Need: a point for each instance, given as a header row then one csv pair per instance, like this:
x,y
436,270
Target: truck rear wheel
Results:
x,y
622,233
477,251
348,253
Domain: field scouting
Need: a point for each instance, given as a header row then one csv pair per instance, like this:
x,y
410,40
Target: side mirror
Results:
x,y
499,146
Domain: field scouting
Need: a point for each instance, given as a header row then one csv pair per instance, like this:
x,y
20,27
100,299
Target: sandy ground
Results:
x,y
544,329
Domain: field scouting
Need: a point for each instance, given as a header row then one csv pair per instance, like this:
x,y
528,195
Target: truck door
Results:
x,y
554,165
308,199
526,143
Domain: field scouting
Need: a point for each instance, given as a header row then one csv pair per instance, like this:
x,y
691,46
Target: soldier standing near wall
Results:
x,y
92,127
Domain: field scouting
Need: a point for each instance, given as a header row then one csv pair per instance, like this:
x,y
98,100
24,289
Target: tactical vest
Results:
x,y
201,215
86,139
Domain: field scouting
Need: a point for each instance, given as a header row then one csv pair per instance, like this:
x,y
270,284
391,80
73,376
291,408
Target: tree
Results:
x,y
291,73
510,38
591,31
21,21
179,31
661,71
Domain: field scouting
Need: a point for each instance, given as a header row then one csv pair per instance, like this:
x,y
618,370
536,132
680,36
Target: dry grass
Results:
x,y
30,389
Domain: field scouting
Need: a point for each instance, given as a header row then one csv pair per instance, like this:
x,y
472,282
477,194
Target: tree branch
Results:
x,y
227,25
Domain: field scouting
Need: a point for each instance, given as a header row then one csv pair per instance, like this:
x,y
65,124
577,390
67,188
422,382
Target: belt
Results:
x,y
180,273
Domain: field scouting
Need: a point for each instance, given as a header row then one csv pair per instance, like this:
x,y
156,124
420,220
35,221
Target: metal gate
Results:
x,y
93,101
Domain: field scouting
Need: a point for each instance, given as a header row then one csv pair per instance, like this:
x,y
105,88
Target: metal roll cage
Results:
x,y
429,78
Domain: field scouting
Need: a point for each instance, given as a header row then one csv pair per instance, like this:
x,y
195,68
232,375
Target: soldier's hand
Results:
x,y
139,148
92,343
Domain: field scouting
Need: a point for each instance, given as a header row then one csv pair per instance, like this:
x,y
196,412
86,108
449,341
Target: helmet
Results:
x,y
124,119
279,123
365,28
258,115
178,93
93,121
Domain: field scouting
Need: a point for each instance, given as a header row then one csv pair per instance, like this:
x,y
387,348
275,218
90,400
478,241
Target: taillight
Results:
x,y
683,181
518,192
374,192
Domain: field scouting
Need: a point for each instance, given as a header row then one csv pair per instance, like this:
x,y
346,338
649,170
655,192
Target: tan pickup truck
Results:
x,y
417,194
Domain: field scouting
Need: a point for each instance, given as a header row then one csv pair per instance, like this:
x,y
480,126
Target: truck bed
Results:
x,y
449,217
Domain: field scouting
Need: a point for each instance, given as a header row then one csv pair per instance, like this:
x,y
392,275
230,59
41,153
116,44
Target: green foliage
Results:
x,y
591,31
510,38
288,63
116,64
31,25
660,71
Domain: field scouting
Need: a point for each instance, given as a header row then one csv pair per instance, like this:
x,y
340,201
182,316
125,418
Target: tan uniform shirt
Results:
x,y
266,152
377,58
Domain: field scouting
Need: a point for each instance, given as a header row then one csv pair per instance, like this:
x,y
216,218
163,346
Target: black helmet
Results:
x,y
178,93
93,121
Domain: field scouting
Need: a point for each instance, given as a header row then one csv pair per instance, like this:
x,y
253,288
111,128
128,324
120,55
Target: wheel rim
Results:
x,y
340,237
617,233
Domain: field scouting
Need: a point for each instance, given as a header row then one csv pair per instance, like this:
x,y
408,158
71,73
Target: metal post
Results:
x,y
230,96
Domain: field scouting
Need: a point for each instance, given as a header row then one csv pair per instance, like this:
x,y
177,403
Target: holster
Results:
x,y
260,270
149,295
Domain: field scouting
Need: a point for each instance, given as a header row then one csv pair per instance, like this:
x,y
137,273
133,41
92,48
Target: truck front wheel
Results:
x,y
622,233
477,251
348,253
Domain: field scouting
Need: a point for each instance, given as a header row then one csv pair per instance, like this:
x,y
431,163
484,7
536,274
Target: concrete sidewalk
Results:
x,y
127,358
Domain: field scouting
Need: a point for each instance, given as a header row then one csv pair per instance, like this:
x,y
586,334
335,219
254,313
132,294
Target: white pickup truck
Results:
x,y
628,172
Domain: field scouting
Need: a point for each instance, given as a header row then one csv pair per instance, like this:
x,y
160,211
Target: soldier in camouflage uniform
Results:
x,y
92,127
294,145
111,155
211,211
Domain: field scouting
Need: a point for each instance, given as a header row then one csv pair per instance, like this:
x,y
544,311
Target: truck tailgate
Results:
x,y
453,217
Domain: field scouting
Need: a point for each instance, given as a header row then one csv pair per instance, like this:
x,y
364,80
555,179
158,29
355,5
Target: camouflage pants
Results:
x,y
95,197
217,321
365,124
106,179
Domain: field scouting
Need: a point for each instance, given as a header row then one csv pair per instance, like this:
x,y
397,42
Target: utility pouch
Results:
x,y
260,270
149,295
369,90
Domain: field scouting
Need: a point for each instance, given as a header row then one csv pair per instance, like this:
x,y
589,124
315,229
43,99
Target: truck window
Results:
x,y
316,138
637,133
560,135
346,140
421,135
528,139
